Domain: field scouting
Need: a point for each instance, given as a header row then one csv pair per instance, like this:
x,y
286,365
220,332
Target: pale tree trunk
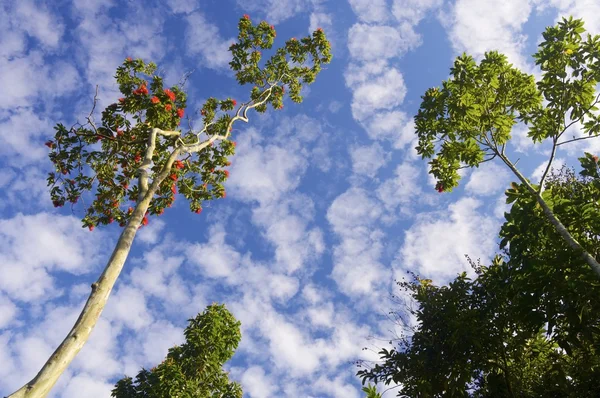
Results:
x,y
58,362
560,228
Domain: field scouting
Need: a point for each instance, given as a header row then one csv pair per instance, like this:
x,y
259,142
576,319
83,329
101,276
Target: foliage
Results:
x,y
469,119
527,327
106,158
470,342
193,369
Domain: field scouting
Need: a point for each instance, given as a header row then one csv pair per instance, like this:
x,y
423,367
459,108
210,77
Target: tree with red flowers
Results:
x,y
137,153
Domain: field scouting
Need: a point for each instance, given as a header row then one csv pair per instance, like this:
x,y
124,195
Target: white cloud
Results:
x,y
128,306
356,267
489,179
588,10
367,42
203,39
256,384
370,10
276,11
150,234
31,246
383,92
435,245
479,26
38,22
403,190
8,312
216,258
368,159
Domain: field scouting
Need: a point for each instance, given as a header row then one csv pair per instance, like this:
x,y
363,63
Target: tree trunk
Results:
x,y
560,228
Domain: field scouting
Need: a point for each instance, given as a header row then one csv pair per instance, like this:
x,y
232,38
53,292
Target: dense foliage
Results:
x,y
195,368
528,325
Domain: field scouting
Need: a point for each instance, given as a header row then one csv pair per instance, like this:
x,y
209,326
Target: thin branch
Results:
x,y
552,154
577,139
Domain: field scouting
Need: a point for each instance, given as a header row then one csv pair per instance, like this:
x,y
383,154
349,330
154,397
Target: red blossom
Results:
x,y
595,158
173,177
168,107
178,164
198,210
49,144
130,210
440,188
122,224
155,100
228,164
233,143
226,173
119,133
137,158
170,94
319,29
224,194
115,204
57,203
110,220
145,220
121,100
203,112
234,102
174,189
180,112
128,59
246,16
91,227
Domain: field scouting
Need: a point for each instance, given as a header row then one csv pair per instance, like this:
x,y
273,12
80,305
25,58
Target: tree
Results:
x,y
194,369
138,152
469,120
470,342
528,326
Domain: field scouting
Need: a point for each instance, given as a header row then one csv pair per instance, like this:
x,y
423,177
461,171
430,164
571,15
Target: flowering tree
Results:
x,y
195,368
469,120
138,153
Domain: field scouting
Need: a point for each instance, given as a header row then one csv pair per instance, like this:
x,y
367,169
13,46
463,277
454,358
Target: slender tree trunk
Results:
x,y
560,228
58,362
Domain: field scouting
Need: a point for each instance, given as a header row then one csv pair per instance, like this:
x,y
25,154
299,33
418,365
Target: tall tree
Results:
x,y
139,153
195,368
526,327
468,121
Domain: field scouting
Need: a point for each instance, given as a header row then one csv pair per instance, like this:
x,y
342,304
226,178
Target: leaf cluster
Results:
x,y
195,368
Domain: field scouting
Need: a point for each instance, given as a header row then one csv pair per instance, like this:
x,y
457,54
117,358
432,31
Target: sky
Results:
x,y
327,203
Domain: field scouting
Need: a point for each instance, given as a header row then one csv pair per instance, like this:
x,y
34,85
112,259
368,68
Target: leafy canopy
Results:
x,y
195,368
469,119
107,157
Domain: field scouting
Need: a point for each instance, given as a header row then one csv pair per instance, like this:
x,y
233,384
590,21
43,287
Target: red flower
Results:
x,y
233,143
174,189
173,177
110,220
49,144
121,100
440,188
198,210
272,27
91,227
115,204
160,213
595,158
168,107
141,90
122,224
170,94
293,39
180,112
224,194
130,210
228,164
155,100
178,164
125,185
234,102
319,29
137,158
57,203
246,16
128,59
203,112
145,220
119,133
226,173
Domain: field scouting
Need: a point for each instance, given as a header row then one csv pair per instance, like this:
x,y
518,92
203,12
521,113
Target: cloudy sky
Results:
x,y
327,201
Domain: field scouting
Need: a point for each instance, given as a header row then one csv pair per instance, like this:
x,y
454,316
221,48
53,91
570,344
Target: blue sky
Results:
x,y
327,201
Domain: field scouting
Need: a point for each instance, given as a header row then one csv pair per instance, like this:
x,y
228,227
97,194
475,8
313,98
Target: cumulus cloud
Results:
x,y
436,244
489,179
204,40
